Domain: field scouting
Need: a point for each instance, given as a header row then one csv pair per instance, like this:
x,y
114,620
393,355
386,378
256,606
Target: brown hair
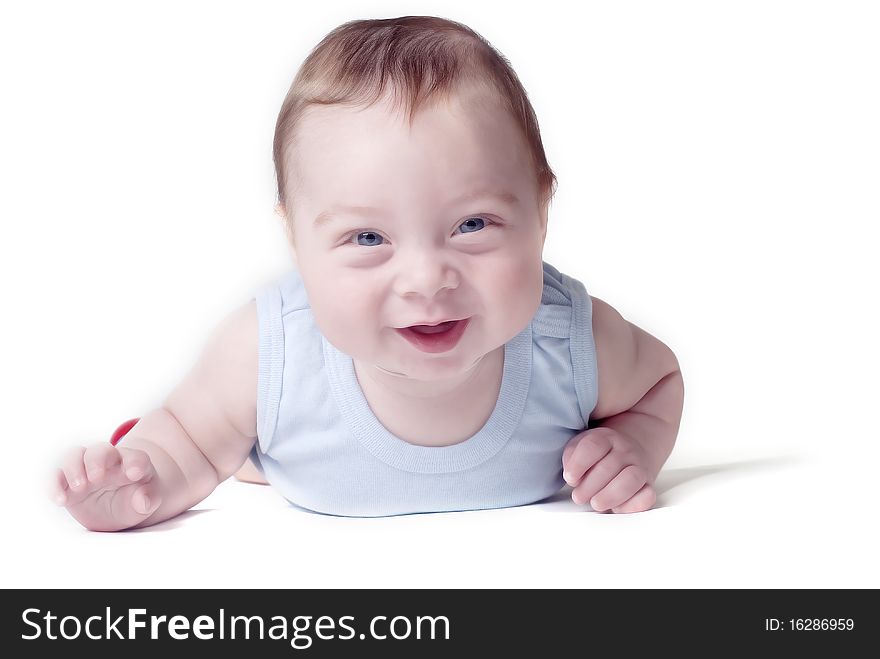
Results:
x,y
420,57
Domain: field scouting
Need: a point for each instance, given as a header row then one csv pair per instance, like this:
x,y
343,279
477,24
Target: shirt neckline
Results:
x,y
398,453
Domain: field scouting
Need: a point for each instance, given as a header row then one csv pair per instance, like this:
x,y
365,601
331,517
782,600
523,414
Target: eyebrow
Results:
x,y
327,216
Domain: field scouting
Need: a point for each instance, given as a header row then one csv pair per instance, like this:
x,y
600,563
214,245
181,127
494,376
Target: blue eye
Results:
x,y
471,221
370,236
475,223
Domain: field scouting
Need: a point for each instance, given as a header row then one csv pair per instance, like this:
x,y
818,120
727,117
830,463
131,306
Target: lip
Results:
x,y
431,323
435,343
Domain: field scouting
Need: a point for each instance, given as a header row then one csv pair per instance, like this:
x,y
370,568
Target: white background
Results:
x,y
718,184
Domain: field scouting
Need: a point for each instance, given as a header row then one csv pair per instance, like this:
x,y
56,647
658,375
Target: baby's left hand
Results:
x,y
616,468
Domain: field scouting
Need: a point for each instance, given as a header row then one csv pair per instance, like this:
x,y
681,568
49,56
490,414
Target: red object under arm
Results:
x,y
122,430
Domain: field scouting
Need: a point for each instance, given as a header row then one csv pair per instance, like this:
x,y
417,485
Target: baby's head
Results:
x,y
414,188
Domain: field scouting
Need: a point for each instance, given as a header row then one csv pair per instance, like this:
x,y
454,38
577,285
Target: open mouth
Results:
x,y
433,329
435,338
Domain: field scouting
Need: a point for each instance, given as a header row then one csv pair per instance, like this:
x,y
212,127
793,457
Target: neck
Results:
x,y
400,385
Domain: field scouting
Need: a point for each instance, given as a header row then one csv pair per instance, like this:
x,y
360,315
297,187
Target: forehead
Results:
x,y
340,150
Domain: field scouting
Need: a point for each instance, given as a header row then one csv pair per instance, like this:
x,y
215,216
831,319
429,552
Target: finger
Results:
x,y
622,487
587,452
131,504
642,500
597,478
146,498
136,464
97,459
74,471
569,447
58,489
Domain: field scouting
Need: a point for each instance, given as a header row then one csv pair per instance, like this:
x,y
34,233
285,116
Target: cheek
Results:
x,y
517,292
343,308
516,281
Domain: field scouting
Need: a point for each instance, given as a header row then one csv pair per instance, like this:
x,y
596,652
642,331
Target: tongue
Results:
x,y
428,329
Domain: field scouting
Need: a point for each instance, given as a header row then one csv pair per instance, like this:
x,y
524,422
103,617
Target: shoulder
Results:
x,y
228,367
216,402
234,341
237,354
629,360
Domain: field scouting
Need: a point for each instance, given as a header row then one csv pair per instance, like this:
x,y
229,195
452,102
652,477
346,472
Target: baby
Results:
x,y
422,357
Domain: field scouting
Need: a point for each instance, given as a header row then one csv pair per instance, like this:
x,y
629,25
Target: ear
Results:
x,y
279,211
543,215
291,243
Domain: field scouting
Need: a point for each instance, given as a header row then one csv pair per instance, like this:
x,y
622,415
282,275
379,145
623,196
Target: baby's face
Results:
x,y
413,230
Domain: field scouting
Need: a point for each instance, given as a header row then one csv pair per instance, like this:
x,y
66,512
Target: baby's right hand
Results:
x,y
107,488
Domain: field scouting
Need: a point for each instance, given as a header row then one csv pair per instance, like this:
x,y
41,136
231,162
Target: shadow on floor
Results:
x,y
170,524
670,479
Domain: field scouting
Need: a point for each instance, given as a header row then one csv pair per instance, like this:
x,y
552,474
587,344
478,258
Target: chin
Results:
x,y
441,366
435,368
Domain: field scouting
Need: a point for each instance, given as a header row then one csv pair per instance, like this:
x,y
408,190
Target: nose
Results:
x,y
425,274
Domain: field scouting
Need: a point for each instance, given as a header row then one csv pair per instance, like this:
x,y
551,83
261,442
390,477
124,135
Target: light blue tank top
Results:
x,y
320,445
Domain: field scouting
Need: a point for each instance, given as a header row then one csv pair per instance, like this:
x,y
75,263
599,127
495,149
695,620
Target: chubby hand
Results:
x,y
609,470
106,488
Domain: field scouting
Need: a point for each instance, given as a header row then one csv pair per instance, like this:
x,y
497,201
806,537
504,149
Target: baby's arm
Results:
x,y
632,429
641,390
182,450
